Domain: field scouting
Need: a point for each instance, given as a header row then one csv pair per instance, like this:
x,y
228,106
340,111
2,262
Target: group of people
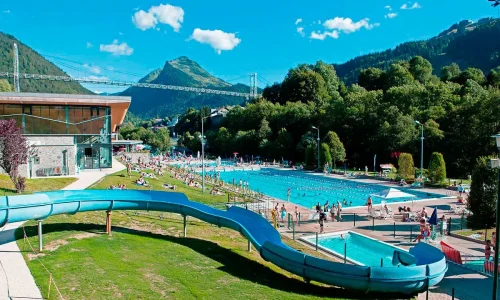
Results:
x,y
335,211
118,187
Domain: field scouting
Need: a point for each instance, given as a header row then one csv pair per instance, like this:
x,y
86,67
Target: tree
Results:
x,y
284,143
325,155
483,195
337,150
421,69
450,73
494,77
330,77
13,152
311,158
371,79
406,168
161,140
272,93
302,84
398,75
5,86
473,74
437,168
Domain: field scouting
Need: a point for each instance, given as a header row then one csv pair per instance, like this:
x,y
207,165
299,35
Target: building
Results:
x,y
67,133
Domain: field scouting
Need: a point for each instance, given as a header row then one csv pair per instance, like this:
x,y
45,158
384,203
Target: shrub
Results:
x,y
325,155
483,195
406,166
437,168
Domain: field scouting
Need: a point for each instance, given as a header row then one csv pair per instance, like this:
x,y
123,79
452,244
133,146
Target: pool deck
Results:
x,y
472,285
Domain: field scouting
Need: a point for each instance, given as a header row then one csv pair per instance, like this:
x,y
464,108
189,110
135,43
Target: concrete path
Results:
x,y
16,281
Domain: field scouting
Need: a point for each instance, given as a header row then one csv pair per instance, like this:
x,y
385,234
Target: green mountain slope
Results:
x,y
467,43
182,71
33,63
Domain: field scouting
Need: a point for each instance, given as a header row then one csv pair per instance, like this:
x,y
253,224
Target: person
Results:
x,y
424,233
369,203
274,217
332,213
344,202
400,209
321,222
283,213
487,250
129,170
318,207
493,239
339,211
296,213
325,207
423,213
386,209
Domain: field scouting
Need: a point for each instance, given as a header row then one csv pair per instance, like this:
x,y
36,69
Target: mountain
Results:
x,y
469,44
33,63
147,103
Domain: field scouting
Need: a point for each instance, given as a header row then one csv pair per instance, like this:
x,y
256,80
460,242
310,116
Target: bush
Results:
x,y
325,155
483,195
437,168
406,166
311,159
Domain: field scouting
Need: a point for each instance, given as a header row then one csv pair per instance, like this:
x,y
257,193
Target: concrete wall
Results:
x,y
135,156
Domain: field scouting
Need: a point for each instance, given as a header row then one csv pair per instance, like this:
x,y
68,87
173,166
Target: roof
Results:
x,y
126,142
118,104
392,193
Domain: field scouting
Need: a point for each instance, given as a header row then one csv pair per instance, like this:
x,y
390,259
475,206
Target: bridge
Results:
x,y
16,76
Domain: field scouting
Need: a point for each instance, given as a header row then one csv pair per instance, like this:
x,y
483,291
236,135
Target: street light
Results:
x,y
421,152
203,155
319,164
497,229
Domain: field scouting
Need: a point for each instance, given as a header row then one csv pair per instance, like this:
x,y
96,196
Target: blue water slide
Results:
x,y
428,265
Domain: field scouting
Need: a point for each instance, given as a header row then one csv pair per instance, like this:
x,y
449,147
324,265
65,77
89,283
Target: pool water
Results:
x,y
307,189
360,250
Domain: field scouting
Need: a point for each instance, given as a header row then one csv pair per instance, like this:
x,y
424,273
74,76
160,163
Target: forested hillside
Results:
x,y
468,44
33,63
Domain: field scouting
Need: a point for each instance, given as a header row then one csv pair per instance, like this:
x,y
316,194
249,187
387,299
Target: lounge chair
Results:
x,y
376,214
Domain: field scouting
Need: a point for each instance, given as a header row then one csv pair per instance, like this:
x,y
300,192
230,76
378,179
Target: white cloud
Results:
x,y
298,21
414,6
218,39
117,49
388,7
391,15
6,11
93,69
321,36
89,45
144,20
300,30
110,68
347,25
163,13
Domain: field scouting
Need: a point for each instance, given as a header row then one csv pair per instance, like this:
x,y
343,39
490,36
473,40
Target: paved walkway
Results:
x,y
16,281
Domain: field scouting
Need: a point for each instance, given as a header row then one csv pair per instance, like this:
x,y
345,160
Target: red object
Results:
x,y
451,253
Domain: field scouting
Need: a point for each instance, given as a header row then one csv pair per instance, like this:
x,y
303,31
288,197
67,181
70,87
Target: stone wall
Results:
x,y
49,152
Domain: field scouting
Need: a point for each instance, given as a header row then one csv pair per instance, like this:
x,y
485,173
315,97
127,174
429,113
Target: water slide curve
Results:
x,y
428,267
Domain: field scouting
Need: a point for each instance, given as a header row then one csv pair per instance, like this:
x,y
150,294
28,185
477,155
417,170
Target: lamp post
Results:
x,y
319,164
203,155
421,151
497,229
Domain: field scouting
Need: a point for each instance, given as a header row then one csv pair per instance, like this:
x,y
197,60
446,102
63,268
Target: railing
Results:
x,y
54,171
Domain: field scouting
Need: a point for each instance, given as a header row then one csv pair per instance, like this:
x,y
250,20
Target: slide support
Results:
x,y
249,246
108,222
40,241
185,225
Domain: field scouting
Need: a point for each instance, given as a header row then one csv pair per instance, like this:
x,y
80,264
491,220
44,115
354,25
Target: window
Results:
x,y
36,160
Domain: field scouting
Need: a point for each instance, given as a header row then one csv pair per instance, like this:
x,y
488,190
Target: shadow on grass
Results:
x,y
232,262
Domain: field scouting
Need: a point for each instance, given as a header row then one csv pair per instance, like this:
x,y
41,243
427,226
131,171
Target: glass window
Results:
x,y
105,157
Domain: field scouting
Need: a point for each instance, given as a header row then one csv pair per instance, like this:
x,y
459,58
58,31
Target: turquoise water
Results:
x,y
307,190
364,251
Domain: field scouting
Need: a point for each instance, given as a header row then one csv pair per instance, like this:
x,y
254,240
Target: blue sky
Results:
x,y
124,39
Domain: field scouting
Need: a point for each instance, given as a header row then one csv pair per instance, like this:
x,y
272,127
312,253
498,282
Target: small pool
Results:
x,y
360,249
307,189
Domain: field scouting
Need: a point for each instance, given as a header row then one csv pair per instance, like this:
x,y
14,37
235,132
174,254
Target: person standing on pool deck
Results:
x,y
339,211
321,222
283,213
296,213
487,250
369,203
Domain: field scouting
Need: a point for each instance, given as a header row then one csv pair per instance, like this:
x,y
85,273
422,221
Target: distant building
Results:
x,y
217,114
67,132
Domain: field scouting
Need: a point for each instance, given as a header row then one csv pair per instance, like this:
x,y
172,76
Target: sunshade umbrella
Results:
x,y
393,193
433,220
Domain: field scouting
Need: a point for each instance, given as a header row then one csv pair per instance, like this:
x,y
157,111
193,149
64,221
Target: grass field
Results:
x,y
34,185
147,257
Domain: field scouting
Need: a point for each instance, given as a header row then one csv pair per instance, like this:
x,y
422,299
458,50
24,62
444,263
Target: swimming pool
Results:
x,y
307,189
360,249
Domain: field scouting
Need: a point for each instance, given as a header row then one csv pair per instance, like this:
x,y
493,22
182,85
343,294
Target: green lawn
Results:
x,y
147,257
194,194
469,232
34,185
